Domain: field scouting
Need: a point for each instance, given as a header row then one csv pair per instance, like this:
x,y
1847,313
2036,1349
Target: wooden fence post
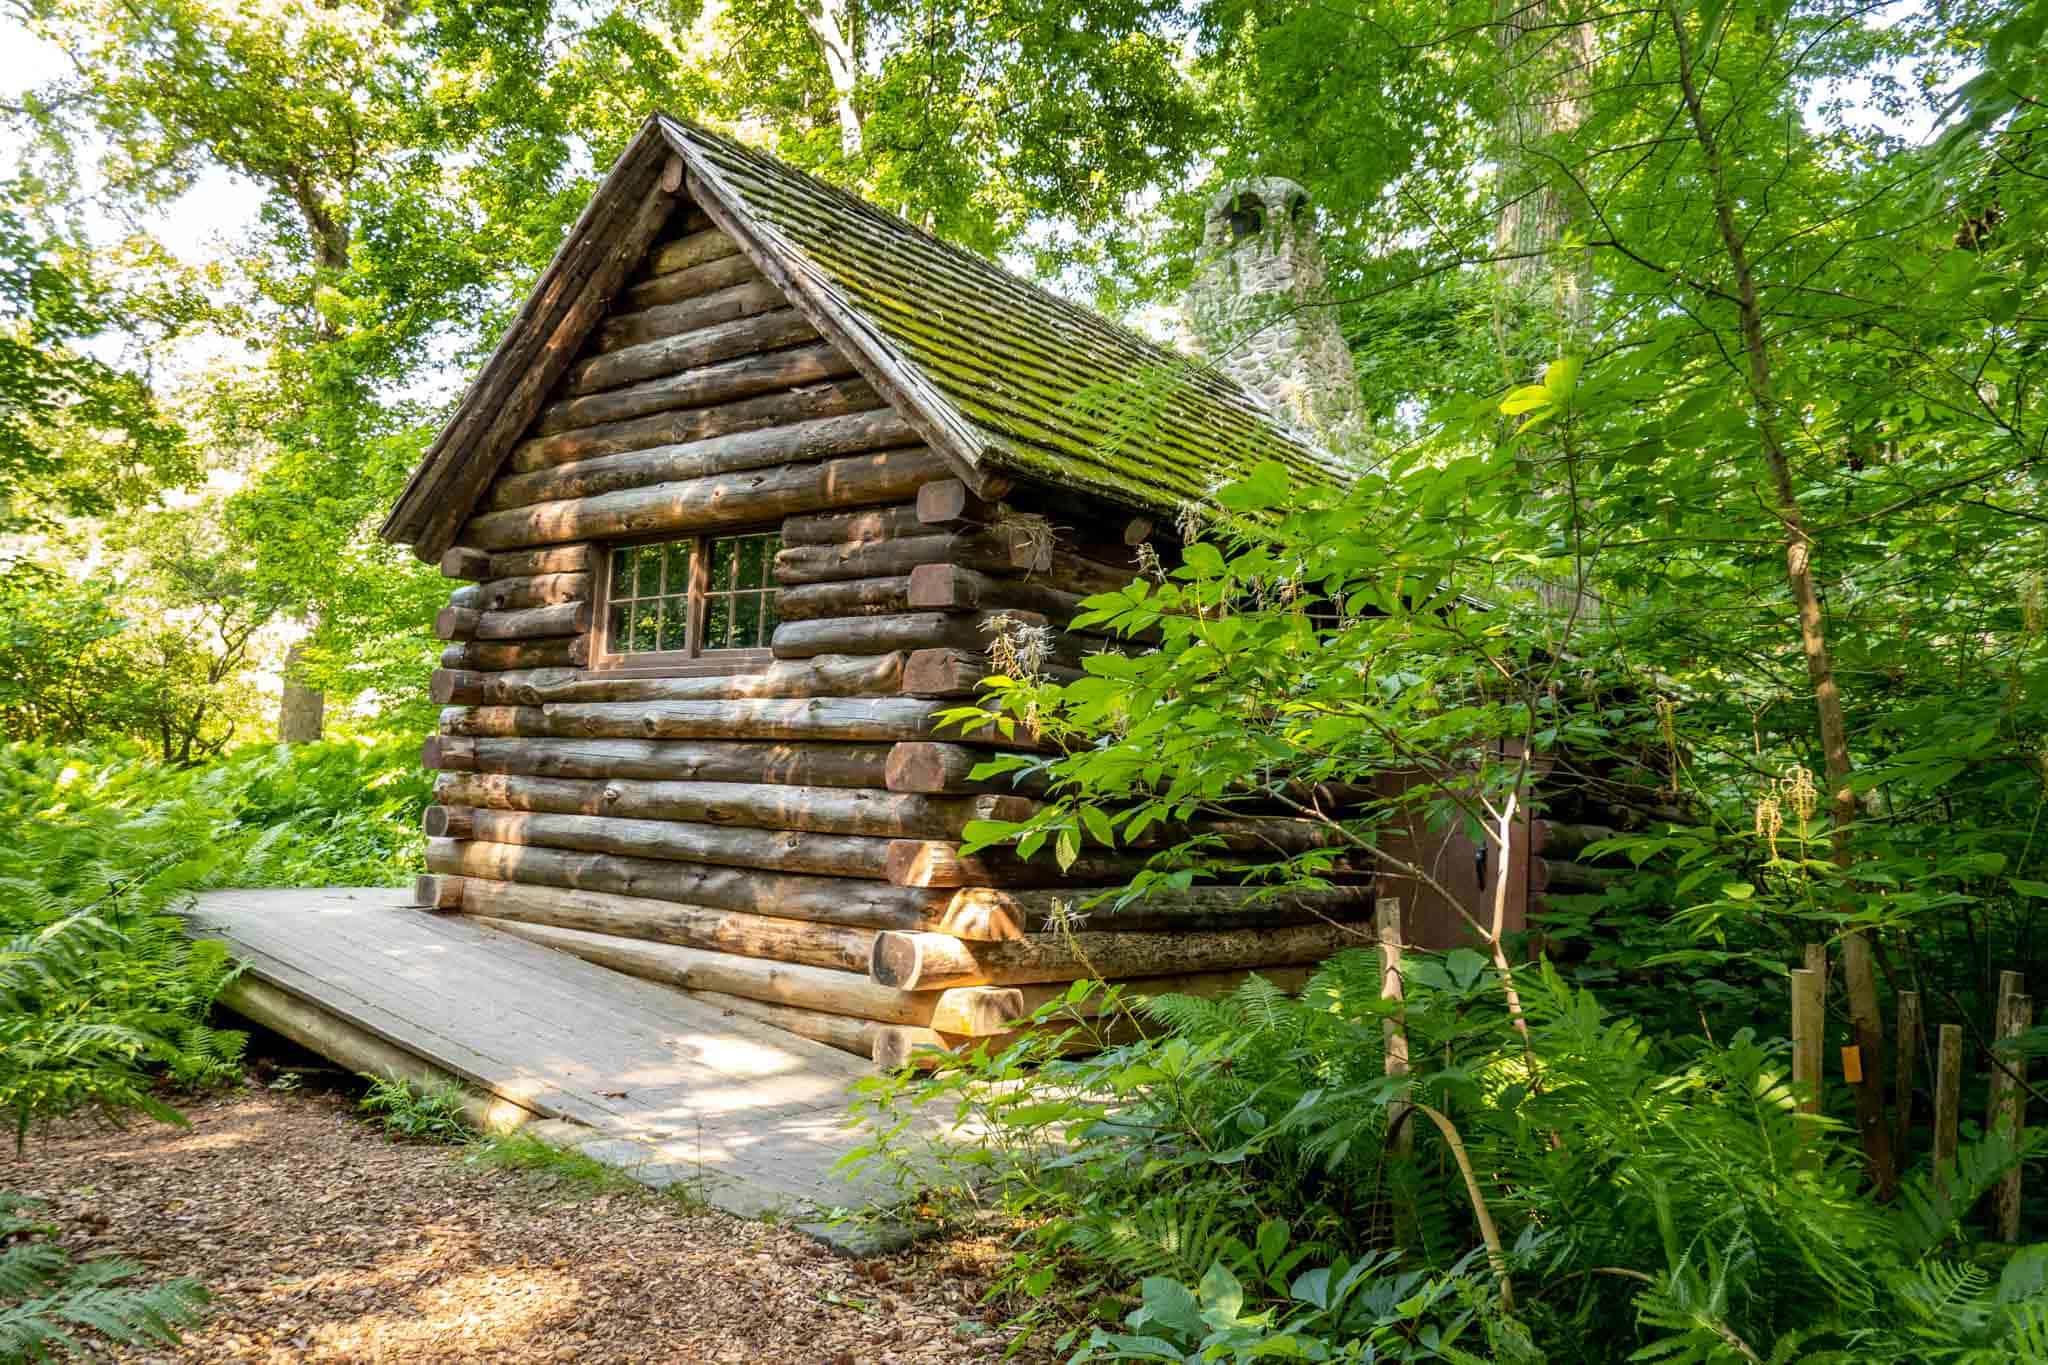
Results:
x,y
1807,1037
1948,1099
2009,1098
1386,917
1908,1034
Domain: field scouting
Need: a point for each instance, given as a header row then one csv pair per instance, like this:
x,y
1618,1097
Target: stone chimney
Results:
x,y
1259,308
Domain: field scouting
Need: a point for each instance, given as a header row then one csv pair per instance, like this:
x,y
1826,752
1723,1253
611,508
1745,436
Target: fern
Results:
x,y
1175,1240
46,1299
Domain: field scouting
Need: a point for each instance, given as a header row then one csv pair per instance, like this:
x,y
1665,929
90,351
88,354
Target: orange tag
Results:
x,y
1852,1065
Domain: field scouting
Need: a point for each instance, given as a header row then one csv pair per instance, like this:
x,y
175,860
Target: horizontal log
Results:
x,y
456,621
706,310
696,969
907,631
760,448
774,409
448,754
494,657
824,676
770,331
993,915
437,893
898,1046
533,590
893,1047
959,673
862,526
721,383
527,623
852,597
940,863
738,499
447,822
1085,577
932,767
989,549
951,500
651,884
911,961
710,244
857,1036
825,855
1554,839
983,1011
693,282
806,719
543,559
686,926
762,805
1555,874
465,562
953,587
808,765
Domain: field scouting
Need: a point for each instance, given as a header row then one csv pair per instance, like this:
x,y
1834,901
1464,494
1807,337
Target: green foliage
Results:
x,y
101,993
47,1301
561,1168
77,435
90,1004
405,1111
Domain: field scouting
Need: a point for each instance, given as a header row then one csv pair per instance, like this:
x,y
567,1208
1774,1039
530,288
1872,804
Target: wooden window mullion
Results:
x,y
700,578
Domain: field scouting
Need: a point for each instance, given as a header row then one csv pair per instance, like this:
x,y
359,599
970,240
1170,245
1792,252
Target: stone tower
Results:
x,y
1260,311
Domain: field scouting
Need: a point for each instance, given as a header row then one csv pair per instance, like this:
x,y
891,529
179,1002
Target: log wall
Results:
x,y
785,838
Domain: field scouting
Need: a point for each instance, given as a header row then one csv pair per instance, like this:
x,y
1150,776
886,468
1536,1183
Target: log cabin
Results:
x,y
736,504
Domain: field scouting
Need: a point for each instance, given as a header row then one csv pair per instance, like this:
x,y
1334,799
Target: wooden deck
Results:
x,y
672,1090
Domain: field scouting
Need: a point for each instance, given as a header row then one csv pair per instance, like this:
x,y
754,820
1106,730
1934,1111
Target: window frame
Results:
x,y
675,662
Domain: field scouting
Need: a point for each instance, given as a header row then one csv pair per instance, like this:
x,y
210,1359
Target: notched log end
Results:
x,y
896,960
463,562
434,892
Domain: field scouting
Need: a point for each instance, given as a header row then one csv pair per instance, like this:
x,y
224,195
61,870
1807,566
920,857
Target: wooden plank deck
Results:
x,y
673,1090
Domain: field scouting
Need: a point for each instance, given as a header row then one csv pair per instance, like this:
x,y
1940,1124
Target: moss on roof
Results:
x,y
1038,387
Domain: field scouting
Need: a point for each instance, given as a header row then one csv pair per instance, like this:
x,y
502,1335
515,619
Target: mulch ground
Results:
x,y
323,1240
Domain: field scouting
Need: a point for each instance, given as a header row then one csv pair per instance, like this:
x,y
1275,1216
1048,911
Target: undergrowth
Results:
x,y
1250,1183
406,1111
104,1001
47,1299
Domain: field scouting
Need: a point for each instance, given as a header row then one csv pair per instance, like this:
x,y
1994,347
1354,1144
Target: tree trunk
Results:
x,y
828,23
302,710
1546,63
1858,972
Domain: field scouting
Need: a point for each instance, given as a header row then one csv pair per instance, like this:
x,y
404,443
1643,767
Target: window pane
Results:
x,y
616,630
646,625
675,619
622,572
746,621
722,559
753,554
718,622
678,568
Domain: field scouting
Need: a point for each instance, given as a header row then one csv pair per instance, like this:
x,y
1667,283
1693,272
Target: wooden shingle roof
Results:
x,y
999,375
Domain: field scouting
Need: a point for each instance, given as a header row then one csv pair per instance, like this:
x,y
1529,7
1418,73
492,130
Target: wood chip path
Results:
x,y
323,1240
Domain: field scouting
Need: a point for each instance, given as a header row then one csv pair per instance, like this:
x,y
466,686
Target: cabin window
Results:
x,y
707,600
